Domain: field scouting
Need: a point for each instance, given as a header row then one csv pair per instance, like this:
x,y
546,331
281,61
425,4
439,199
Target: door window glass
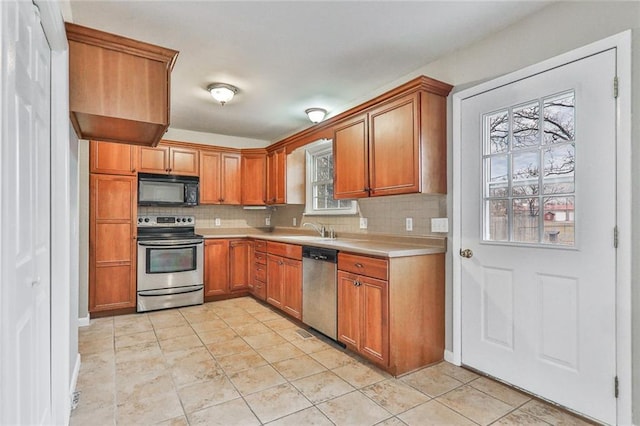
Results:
x,y
529,172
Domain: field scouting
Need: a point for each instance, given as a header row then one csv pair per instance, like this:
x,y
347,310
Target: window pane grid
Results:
x,y
529,172
322,184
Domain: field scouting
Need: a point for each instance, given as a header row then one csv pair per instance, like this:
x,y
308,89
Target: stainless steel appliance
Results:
x,y
320,290
167,190
170,263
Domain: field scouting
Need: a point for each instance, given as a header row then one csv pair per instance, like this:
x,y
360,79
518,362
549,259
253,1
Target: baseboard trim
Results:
x,y
84,322
449,357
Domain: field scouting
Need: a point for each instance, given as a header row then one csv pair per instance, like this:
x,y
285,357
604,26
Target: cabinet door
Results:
x,y
216,267
276,177
183,161
112,245
231,179
154,160
394,147
210,177
350,159
292,288
239,256
374,302
113,158
275,266
254,173
349,314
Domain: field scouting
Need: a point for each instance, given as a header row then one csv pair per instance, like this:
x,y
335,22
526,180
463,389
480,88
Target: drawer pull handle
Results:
x,y
359,265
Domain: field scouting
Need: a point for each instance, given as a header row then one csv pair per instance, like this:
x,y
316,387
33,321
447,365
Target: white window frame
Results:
x,y
320,147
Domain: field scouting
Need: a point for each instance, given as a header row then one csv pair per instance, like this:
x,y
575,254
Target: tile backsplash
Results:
x,y
385,215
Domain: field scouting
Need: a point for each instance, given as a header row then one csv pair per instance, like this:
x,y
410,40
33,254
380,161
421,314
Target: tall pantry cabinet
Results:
x,y
112,226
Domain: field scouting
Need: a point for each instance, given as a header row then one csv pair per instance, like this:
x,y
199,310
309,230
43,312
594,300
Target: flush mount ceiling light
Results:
x,y
222,92
316,115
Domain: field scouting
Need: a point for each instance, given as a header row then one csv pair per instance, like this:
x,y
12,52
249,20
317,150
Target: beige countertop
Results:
x,y
373,245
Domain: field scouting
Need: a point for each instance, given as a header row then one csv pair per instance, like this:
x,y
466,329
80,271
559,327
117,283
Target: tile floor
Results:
x,y
238,362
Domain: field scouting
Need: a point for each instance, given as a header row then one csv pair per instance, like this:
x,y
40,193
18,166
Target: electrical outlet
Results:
x,y
217,221
409,224
363,223
267,221
295,221
439,224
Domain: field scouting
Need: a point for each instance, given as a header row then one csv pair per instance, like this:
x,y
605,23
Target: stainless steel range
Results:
x,y
170,263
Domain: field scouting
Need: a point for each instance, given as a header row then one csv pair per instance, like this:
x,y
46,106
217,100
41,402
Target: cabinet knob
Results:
x,y
133,170
359,265
367,189
357,283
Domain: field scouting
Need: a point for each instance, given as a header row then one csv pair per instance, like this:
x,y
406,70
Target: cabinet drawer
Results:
x,y
363,265
260,257
291,251
260,272
260,245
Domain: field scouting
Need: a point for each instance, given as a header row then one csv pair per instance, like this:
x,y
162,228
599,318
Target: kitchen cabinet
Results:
x,y
391,311
258,284
239,264
284,277
220,177
216,267
112,242
254,174
112,158
276,176
397,147
119,88
167,159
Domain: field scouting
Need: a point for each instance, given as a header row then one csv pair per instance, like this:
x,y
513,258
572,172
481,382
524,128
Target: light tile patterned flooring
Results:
x,y
238,362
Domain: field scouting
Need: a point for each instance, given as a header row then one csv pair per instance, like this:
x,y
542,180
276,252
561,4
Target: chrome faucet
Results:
x,y
319,229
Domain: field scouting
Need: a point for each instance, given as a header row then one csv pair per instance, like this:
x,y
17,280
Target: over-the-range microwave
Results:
x,y
167,190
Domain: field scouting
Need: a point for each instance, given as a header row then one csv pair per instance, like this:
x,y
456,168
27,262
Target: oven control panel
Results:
x,y
150,220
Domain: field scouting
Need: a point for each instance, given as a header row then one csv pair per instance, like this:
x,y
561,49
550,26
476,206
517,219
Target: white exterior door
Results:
x,y
25,296
538,212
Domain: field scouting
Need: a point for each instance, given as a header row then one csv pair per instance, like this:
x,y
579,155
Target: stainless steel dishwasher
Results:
x,y
320,290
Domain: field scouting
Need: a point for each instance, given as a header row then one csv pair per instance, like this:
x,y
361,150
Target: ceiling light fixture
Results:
x,y
222,92
316,115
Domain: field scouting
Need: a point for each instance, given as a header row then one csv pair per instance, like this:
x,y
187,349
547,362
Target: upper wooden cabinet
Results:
x,y
254,173
113,158
220,177
119,88
175,160
398,147
276,177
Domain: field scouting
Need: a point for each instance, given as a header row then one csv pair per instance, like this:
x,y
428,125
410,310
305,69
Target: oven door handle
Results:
x,y
170,292
171,243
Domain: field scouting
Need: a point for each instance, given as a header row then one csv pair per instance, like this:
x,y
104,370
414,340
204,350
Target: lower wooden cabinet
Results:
x,y
284,278
258,282
239,265
112,242
363,316
216,267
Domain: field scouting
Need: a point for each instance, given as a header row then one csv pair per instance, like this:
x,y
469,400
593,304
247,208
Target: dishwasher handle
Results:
x,y
320,254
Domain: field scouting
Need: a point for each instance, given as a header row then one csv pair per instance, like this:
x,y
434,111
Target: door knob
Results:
x,y
466,253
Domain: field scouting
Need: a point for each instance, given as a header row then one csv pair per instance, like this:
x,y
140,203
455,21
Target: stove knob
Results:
x,y
139,220
190,219
146,219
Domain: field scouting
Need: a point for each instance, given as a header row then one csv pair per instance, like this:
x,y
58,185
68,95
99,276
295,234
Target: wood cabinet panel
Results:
x,y
216,267
254,174
276,177
394,148
292,288
184,161
274,282
220,177
348,310
292,251
119,88
112,158
112,244
351,159
239,263
166,159
363,265
375,319
154,160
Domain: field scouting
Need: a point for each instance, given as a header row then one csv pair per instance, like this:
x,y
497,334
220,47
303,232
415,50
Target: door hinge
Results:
x,y
616,386
615,237
615,87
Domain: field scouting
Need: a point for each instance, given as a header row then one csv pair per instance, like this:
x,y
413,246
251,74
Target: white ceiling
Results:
x,y
288,56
